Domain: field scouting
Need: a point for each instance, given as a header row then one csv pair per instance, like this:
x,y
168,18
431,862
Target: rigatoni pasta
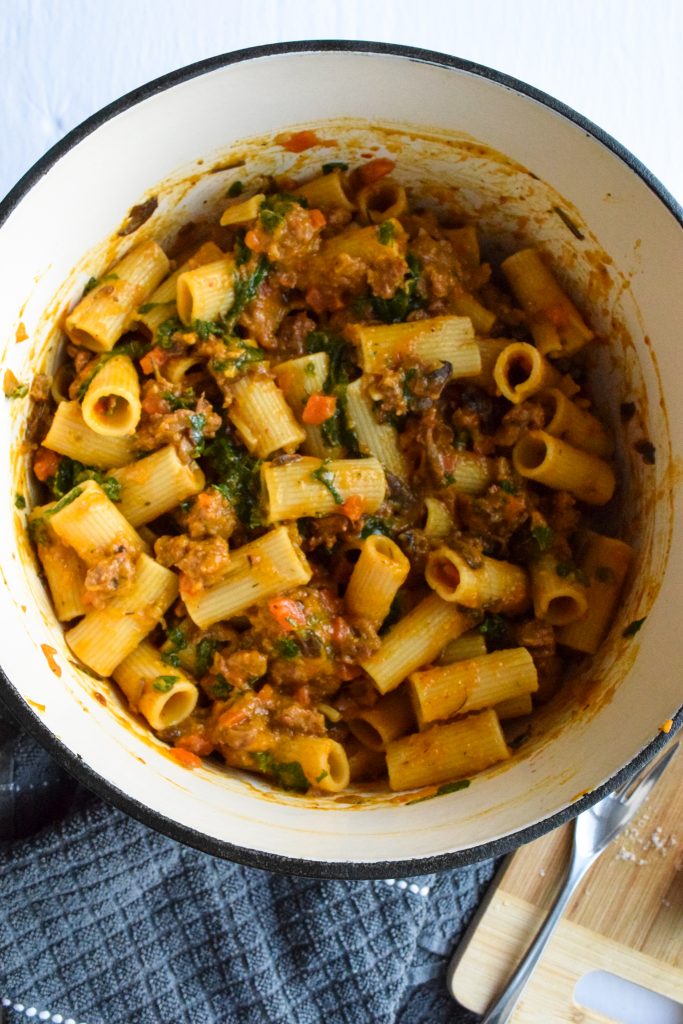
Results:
x,y
315,497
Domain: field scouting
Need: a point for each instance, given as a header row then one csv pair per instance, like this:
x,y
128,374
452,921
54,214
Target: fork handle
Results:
x,y
499,1012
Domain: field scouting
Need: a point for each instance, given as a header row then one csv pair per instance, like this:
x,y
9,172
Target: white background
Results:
x,y
618,62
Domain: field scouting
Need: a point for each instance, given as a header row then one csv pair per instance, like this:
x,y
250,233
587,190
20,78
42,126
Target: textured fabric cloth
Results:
x,y
104,921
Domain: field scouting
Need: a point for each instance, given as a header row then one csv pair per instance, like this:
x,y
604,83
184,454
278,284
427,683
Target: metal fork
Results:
x,y
594,830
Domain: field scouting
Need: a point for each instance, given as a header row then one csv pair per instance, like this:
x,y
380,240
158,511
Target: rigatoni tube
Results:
x,y
414,641
261,569
111,404
392,716
540,456
298,379
312,487
446,752
322,760
92,524
381,569
156,484
378,439
160,692
70,435
492,584
556,324
559,598
565,419
443,692
108,635
206,292
604,561
441,339
521,371
262,417
102,316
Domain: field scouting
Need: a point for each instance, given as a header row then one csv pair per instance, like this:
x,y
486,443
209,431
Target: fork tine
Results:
x,y
648,774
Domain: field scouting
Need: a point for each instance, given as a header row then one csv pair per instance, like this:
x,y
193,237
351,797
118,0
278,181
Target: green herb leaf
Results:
x,y
376,524
241,251
133,349
187,400
604,574
634,627
236,189
176,641
221,688
148,306
89,285
20,391
166,330
453,787
507,486
246,288
544,537
20,501
236,475
323,775
386,232
495,629
205,650
333,165
404,300
197,423
326,478
287,647
162,684
275,208
288,775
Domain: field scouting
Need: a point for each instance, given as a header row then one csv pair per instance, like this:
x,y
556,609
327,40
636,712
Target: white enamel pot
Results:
x,y
59,225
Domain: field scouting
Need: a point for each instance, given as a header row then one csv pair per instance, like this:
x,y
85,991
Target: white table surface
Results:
x,y
618,62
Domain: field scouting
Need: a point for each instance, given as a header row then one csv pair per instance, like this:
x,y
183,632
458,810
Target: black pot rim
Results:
x,y
71,761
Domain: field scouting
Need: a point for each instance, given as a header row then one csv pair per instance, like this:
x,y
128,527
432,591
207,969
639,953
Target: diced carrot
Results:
x,y
317,218
254,241
203,499
352,507
266,693
302,696
154,360
374,170
319,408
666,726
185,757
288,614
196,744
297,142
234,715
45,464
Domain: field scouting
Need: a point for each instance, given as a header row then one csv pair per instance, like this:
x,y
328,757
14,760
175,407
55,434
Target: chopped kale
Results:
x,y
165,683
323,775
634,627
206,648
221,688
20,501
148,306
386,232
236,189
288,775
247,284
241,250
70,473
20,391
326,478
176,641
447,787
604,574
197,424
404,300
166,330
544,537
187,400
275,208
93,282
333,165
495,629
236,475
287,647
507,486
375,524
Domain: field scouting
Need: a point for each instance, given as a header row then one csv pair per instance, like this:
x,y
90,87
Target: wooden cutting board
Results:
x,y
625,918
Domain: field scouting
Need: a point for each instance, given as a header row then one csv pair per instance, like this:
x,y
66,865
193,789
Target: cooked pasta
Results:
x,y
315,496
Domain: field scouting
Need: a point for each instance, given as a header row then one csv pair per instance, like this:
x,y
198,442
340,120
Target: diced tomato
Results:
x,y
297,142
185,757
288,614
195,744
154,360
319,408
45,464
317,218
368,173
238,713
352,508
